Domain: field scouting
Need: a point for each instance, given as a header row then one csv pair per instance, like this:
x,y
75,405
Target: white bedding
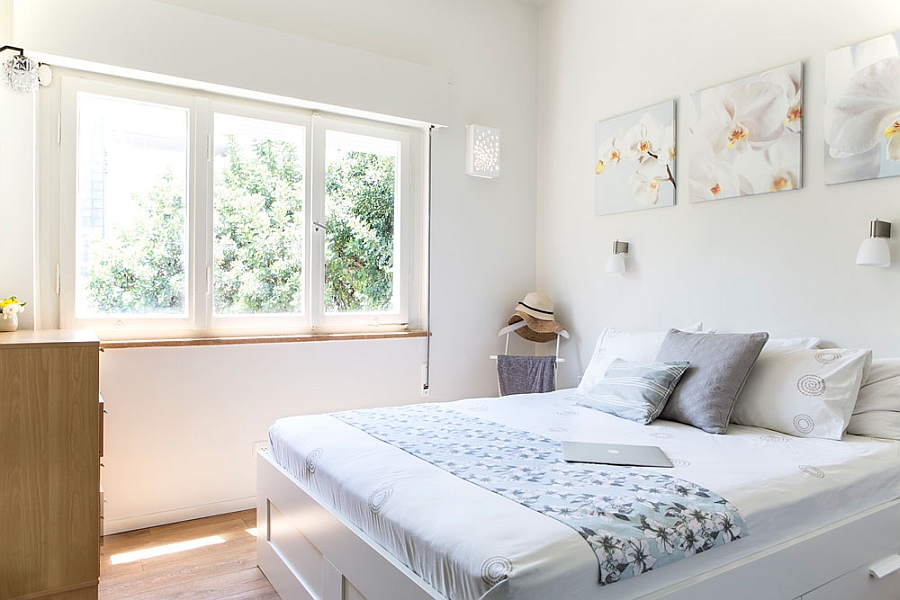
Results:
x,y
458,536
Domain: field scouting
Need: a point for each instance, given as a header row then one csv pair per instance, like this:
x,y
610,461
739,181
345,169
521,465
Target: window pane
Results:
x,y
131,205
258,205
360,192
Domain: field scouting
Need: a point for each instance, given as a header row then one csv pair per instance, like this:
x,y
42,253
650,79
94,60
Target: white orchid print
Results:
x,y
745,136
862,111
635,160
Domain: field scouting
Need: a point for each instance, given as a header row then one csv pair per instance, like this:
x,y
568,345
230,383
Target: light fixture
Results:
x,y
616,262
482,151
874,251
20,72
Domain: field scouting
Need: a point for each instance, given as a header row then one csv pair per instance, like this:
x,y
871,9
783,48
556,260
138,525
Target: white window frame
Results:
x,y
201,320
68,209
403,218
287,322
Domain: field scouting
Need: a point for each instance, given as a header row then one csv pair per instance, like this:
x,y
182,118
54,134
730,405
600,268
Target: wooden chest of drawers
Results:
x,y
49,467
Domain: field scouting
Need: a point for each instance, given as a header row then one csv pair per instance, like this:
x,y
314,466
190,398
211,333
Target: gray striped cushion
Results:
x,y
634,390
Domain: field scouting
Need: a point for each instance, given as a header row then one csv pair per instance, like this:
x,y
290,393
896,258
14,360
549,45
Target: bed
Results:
x,y
472,500
347,512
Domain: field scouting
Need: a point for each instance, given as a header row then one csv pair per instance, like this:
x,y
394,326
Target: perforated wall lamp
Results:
x,y
874,251
482,151
616,262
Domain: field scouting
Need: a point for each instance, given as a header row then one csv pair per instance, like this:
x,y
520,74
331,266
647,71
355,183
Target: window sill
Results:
x,y
261,339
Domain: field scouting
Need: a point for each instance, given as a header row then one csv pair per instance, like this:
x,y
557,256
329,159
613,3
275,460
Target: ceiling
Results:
x,y
303,18
354,23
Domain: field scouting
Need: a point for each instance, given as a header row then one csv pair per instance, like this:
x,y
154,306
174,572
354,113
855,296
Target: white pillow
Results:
x,y
633,347
803,392
882,389
797,342
876,423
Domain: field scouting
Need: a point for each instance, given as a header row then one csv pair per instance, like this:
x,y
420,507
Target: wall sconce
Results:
x,y
23,74
616,262
874,251
482,151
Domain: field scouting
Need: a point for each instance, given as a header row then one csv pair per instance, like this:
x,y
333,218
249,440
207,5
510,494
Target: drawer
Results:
x,y
859,584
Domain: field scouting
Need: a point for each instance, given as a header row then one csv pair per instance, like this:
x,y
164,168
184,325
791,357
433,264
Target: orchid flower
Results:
x,y
893,141
789,79
783,180
868,109
737,119
712,179
646,179
776,167
608,153
646,138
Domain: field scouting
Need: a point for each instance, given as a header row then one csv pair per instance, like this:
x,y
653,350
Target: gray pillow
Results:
x,y
720,363
634,390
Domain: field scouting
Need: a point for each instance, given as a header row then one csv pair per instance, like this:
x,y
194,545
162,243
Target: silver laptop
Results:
x,y
615,454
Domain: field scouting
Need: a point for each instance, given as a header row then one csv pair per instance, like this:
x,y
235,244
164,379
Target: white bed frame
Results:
x,y
309,553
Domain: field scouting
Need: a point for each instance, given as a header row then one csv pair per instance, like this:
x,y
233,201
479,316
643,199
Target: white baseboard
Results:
x,y
111,526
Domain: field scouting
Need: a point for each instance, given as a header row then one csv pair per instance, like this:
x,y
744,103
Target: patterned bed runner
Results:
x,y
634,520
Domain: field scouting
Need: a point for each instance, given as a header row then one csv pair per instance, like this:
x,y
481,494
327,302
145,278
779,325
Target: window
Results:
x,y
362,204
131,202
258,217
203,215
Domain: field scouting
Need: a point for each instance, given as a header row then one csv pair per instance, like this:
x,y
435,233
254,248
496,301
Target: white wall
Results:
x,y
6,12
17,180
782,263
182,420
17,210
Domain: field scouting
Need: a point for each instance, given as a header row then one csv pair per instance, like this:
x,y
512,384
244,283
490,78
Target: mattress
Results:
x,y
467,541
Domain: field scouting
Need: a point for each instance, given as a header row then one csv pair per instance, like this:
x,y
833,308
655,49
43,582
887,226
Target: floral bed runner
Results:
x,y
634,520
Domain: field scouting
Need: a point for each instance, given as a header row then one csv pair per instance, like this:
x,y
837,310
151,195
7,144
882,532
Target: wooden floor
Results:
x,y
225,568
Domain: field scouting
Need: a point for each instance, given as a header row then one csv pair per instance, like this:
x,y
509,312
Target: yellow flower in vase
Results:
x,y
10,309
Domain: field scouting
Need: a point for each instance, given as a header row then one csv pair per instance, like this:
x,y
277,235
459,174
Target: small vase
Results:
x,y
10,323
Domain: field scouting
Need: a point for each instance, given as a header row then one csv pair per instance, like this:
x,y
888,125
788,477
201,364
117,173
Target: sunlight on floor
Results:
x,y
251,531
126,557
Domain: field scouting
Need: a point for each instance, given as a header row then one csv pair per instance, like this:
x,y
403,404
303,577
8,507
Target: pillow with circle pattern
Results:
x,y
803,392
881,389
877,410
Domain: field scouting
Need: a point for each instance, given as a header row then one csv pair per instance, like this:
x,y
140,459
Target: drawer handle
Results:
x,y
885,566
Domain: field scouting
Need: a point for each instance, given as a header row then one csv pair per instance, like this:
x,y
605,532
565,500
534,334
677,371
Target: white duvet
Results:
x,y
463,539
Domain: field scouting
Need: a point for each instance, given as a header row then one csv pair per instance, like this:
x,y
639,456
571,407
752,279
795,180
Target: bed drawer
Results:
x,y
859,584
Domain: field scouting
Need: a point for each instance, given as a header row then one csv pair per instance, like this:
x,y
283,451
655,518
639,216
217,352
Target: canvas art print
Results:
x,y
862,111
745,137
635,160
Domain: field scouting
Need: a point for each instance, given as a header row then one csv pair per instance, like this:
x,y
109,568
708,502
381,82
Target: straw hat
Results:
x,y
536,309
